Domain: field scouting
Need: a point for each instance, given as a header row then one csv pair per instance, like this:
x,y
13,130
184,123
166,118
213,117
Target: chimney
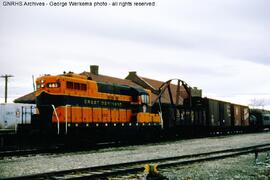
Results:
x,y
132,73
94,69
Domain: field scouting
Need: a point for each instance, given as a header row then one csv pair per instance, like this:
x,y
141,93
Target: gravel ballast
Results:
x,y
242,167
17,166
239,168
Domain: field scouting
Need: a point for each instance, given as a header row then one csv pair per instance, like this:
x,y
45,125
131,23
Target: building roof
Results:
x,y
109,79
166,97
27,99
154,86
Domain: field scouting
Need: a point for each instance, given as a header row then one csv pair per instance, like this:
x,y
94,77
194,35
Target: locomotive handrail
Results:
x,y
161,120
67,105
58,123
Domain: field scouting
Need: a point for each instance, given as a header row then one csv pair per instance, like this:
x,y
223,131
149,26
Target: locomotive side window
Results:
x,y
77,86
83,87
69,85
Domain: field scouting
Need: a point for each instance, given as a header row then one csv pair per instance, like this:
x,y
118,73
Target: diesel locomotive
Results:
x,y
72,103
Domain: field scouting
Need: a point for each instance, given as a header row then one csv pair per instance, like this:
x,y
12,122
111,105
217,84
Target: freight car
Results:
x,y
12,115
71,104
203,116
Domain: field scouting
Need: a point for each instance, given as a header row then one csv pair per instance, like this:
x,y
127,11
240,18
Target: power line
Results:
x,y
6,84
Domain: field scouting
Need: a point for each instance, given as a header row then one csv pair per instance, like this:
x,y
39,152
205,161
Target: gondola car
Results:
x,y
71,103
207,115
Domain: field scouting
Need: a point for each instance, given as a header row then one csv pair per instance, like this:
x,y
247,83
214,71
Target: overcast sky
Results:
x,y
220,46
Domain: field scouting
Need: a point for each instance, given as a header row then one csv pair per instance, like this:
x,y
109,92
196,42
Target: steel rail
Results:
x,y
57,149
27,152
137,166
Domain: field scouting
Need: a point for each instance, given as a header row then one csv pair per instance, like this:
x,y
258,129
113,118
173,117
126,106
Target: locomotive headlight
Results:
x,y
42,81
42,85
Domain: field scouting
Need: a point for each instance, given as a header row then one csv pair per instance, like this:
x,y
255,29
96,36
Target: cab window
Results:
x,y
145,99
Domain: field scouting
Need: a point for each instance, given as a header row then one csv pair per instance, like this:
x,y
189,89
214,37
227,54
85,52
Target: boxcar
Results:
x,y
12,114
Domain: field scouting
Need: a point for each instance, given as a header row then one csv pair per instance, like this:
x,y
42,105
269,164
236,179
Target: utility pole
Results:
x,y
6,84
33,80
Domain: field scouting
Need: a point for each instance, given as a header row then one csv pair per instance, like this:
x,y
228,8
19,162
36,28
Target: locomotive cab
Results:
x,y
145,115
48,84
47,87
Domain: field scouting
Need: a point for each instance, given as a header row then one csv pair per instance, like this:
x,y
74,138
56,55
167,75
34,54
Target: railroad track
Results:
x,y
56,150
138,166
28,152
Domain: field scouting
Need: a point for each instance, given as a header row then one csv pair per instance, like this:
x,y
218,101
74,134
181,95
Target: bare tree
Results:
x,y
256,103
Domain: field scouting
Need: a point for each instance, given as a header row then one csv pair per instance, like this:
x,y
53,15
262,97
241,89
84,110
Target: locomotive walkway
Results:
x,y
25,166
